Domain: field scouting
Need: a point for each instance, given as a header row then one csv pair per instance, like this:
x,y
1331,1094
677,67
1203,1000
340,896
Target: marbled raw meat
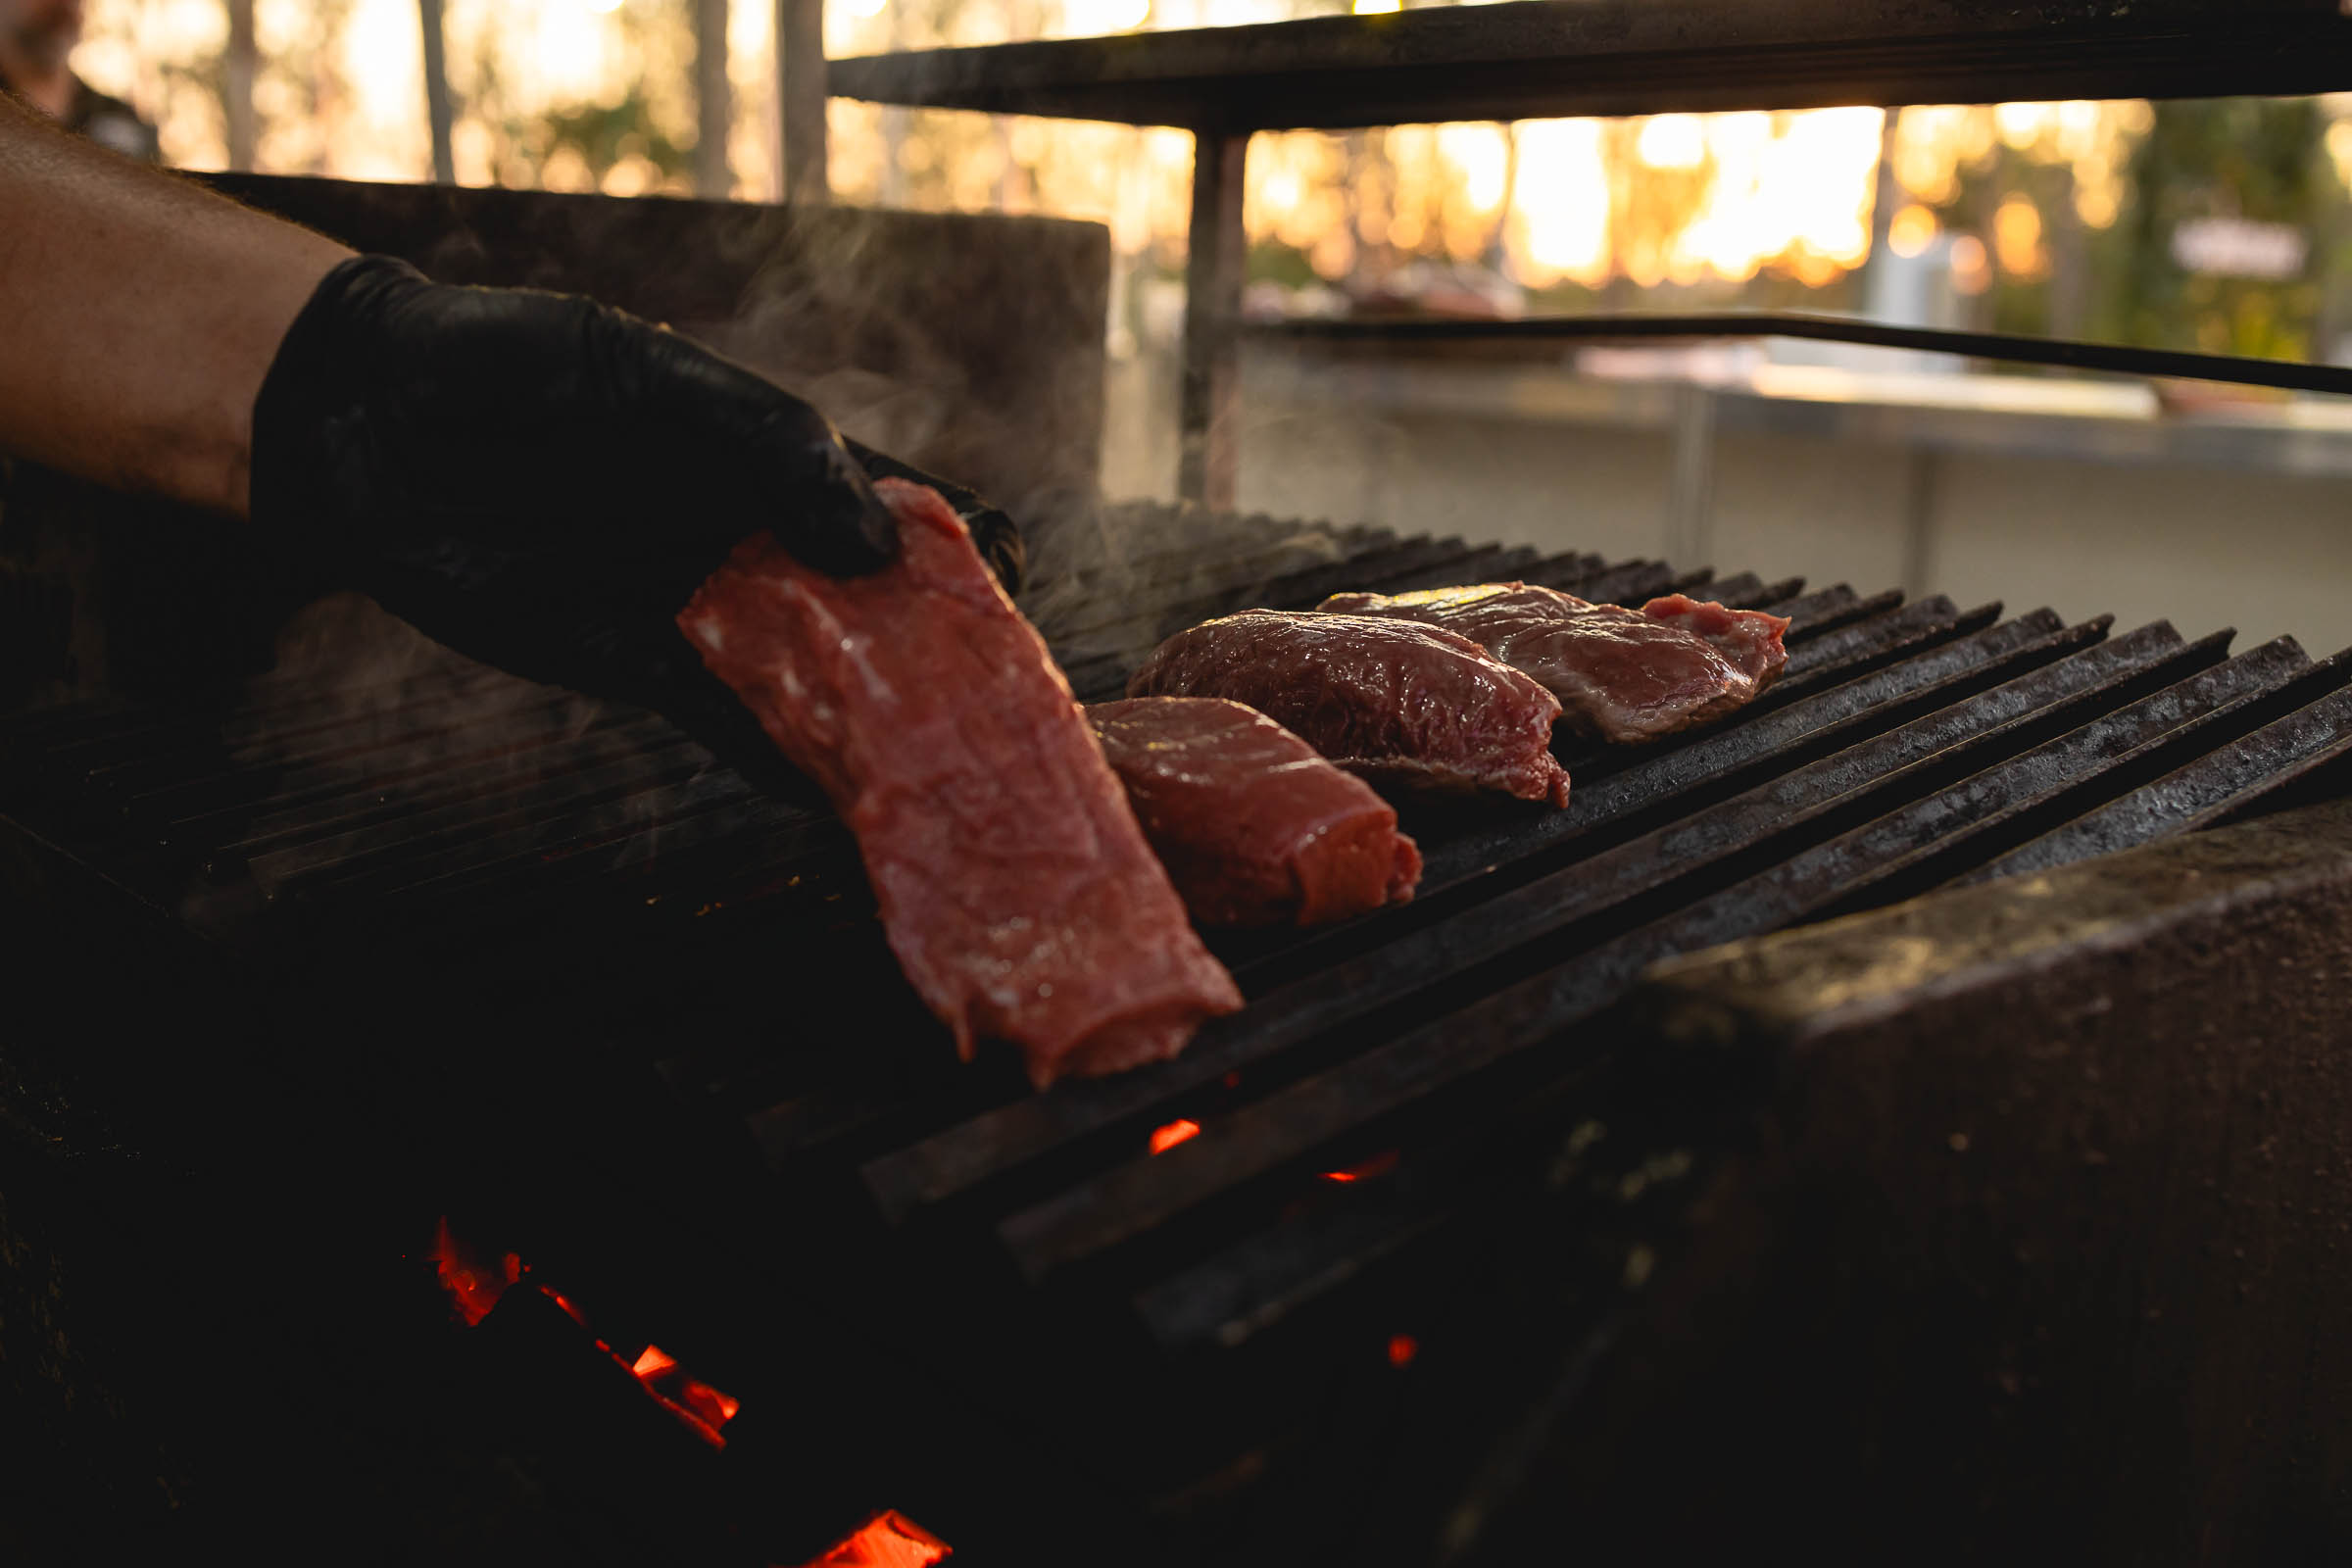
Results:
x,y
1619,674
1013,882
1253,826
1397,703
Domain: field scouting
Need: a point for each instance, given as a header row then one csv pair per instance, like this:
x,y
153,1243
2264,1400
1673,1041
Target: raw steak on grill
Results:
x,y
1396,702
1621,675
1014,885
1253,826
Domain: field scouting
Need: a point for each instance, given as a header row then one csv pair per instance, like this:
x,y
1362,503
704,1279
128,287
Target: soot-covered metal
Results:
x,y
1340,1283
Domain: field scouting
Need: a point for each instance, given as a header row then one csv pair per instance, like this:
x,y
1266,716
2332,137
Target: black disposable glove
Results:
x,y
540,482
995,534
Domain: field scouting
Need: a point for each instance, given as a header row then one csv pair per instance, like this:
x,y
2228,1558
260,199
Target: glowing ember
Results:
x,y
474,1288
703,1406
1364,1170
570,1311
1402,1347
889,1540
1176,1132
473,1285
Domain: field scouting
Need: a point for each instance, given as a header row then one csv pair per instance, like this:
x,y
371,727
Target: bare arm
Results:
x,y
138,315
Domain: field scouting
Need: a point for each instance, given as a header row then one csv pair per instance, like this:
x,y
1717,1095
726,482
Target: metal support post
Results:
x,y
1208,455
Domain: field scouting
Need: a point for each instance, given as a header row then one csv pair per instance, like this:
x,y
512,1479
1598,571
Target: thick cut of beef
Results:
x,y
1619,674
1015,884
1254,826
1396,702
1749,638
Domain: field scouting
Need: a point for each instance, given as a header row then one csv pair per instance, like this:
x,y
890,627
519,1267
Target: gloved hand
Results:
x,y
534,478
995,535
541,482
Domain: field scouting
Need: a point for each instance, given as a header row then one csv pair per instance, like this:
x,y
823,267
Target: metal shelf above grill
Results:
x,y
1623,57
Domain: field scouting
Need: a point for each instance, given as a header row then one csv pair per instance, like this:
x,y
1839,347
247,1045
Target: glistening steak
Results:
x,y
1395,701
1619,674
1253,826
1014,885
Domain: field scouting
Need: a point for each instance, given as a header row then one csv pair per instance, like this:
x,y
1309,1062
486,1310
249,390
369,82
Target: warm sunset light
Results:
x,y
1680,198
1911,232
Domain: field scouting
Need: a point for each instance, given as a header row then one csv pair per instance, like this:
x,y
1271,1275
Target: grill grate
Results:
x,y
448,824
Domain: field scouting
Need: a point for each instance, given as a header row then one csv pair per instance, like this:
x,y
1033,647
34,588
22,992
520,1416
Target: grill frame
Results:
x,y
1225,1275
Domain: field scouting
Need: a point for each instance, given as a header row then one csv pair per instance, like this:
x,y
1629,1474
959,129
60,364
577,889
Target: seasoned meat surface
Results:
x,y
1619,674
1014,885
1254,829
1397,703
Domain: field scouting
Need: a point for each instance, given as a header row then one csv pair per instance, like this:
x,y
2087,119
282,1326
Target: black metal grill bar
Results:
x,y
1558,571
1678,783
752,837
191,781
1153,535
1247,549
2121,358
226,800
1284,952
1983,815
1635,582
1822,647
1826,721
541,838
1756,736
1327,1233
487,816
1816,609
1129,612
2271,758
366,797
264,699
1361,1226
1273,1271
119,758
1737,592
1813,627
1282,1128
961,1158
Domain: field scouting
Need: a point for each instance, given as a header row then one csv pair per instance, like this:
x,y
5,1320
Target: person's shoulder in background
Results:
x,y
112,123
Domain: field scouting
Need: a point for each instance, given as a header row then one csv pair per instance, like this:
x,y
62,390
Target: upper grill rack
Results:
x,y
520,841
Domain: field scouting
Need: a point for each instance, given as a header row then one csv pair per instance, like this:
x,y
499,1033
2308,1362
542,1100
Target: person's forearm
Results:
x,y
138,315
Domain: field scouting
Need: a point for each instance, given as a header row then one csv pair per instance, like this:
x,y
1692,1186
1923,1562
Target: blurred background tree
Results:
x,y
2034,218
2258,159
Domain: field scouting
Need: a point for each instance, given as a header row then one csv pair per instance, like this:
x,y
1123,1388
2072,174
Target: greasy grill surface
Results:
x,y
458,815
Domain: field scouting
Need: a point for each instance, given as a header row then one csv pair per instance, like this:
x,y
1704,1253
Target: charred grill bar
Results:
x,y
460,847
